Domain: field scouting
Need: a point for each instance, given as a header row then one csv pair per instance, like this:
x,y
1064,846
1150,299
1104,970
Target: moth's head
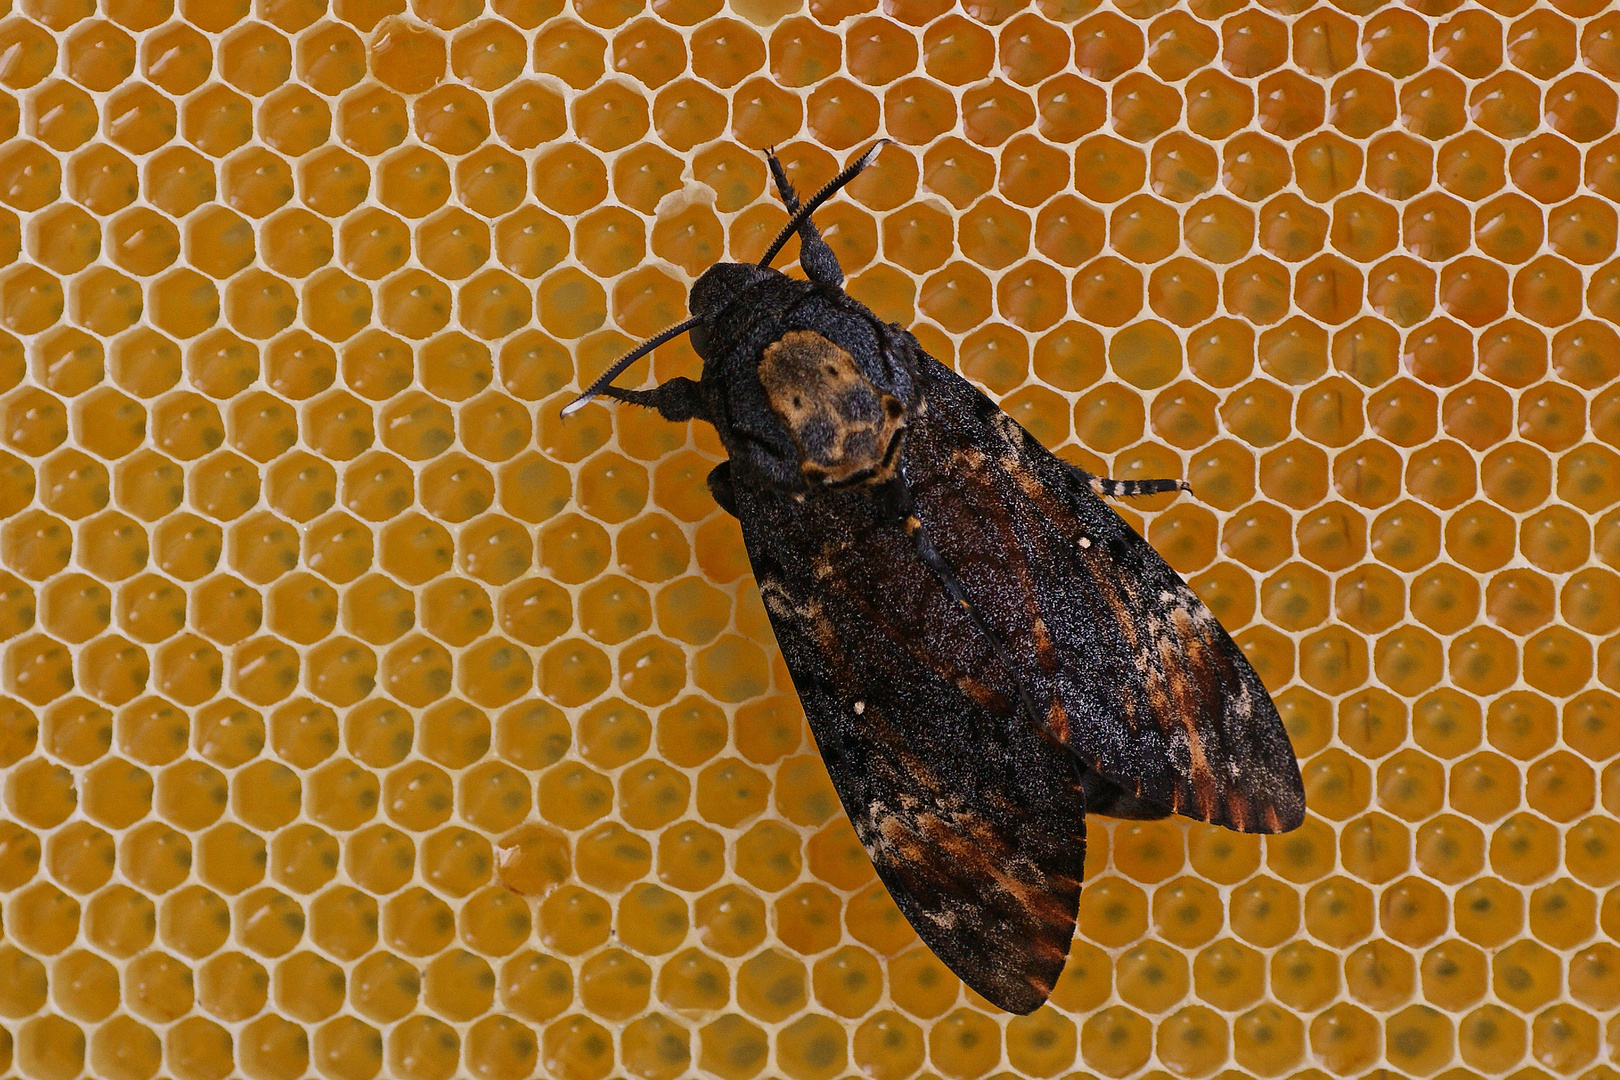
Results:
x,y
713,292
846,429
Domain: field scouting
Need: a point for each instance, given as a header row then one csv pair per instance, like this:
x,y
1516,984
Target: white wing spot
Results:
x,y
1085,541
860,708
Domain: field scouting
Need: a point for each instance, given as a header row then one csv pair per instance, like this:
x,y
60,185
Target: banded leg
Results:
x,y
817,259
1125,489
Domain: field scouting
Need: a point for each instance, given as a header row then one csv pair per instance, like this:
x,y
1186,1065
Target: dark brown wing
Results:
x,y
1128,666
972,815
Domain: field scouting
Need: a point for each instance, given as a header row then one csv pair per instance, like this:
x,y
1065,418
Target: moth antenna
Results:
x,y
810,205
625,361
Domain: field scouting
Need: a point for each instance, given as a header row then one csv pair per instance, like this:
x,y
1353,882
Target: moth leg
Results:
x,y
677,400
720,487
817,259
1105,797
1124,489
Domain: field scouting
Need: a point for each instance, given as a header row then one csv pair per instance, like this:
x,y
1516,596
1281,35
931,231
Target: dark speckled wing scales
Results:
x,y
973,818
971,808
1187,723
1132,671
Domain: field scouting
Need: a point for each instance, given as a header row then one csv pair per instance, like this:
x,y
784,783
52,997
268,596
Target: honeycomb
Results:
x,y
361,718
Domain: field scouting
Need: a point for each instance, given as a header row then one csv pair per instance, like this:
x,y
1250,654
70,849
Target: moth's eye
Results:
x,y
699,336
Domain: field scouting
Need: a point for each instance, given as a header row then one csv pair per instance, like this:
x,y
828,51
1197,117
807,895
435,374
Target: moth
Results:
x,y
984,649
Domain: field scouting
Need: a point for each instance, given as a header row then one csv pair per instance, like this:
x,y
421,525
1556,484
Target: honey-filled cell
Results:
x,y
340,666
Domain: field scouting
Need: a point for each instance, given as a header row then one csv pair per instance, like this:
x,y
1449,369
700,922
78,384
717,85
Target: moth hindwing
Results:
x,y
984,649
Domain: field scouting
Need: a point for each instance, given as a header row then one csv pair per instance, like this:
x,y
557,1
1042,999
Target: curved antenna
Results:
x,y
831,188
625,361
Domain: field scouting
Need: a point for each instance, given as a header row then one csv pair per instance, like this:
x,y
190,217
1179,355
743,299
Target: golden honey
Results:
x,y
360,717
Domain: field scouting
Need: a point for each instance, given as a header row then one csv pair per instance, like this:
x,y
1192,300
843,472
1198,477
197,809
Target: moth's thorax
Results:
x,y
846,430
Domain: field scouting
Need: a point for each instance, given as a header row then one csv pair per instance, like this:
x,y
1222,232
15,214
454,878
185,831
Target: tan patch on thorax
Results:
x,y
843,426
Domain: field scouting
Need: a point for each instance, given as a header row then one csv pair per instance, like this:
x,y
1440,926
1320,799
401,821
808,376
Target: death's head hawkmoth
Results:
x,y
984,649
